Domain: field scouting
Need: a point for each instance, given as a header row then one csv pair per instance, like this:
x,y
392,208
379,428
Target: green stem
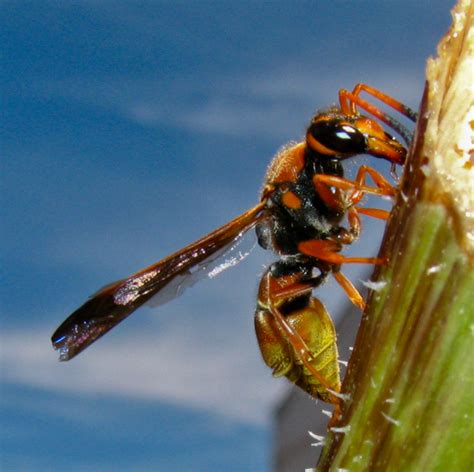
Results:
x,y
410,379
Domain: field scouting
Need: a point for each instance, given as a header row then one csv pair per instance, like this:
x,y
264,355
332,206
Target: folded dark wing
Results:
x,y
116,301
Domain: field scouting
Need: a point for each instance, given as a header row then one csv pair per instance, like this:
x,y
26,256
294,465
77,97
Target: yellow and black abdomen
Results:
x,y
309,320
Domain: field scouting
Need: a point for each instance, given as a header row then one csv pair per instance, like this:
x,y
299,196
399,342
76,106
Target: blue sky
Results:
x,y
130,129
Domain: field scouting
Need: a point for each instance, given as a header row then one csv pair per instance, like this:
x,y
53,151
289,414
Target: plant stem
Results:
x,y
411,376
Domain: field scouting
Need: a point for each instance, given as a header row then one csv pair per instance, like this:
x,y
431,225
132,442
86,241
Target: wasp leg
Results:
x,y
295,333
387,99
358,189
348,236
342,200
338,200
349,103
354,295
350,100
373,212
328,250
356,196
380,181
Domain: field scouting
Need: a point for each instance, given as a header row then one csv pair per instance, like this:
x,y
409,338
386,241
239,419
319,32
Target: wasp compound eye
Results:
x,y
335,137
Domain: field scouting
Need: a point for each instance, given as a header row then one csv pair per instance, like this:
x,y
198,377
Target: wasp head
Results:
x,y
341,136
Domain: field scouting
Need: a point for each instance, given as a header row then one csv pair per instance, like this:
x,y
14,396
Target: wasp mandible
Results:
x,y
307,213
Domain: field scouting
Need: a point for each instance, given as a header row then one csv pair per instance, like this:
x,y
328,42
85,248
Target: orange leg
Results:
x,y
349,236
327,250
357,195
336,200
339,201
349,102
374,212
342,201
291,291
387,99
354,295
354,220
346,184
380,181
323,181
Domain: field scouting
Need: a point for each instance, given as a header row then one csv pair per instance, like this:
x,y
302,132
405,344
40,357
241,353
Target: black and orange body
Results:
x,y
308,213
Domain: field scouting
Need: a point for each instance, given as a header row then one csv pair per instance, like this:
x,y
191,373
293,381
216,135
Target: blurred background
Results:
x,y
129,129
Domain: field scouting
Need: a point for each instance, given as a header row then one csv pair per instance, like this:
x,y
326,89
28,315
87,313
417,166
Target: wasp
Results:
x,y
307,213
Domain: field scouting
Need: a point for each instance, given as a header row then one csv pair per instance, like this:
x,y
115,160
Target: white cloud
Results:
x,y
182,368
271,104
